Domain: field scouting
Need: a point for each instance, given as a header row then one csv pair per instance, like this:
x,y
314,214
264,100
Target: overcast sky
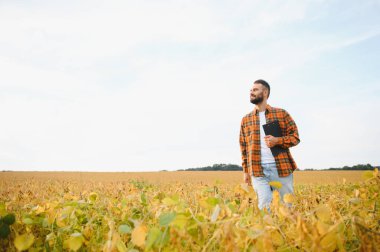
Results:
x,y
153,85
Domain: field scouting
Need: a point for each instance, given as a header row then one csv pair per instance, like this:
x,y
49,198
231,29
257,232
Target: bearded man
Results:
x,y
260,166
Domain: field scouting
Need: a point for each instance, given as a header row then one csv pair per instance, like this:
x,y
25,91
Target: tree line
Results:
x,y
216,167
358,167
234,167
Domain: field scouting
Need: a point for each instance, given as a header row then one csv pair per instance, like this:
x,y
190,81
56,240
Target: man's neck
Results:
x,y
262,106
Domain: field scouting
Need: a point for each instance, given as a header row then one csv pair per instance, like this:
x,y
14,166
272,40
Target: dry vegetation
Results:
x,y
229,177
186,211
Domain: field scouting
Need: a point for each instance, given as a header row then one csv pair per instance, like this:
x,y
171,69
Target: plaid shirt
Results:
x,y
250,142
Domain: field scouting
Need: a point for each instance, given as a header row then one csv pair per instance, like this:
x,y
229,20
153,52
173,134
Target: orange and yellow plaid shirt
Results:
x,y
250,142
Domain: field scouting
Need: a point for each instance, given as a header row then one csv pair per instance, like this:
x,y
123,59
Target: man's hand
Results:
x,y
271,141
247,178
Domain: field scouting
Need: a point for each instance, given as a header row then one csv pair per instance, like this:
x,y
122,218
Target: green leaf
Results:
x,y
143,199
23,242
93,197
76,241
133,250
4,230
9,219
50,237
3,211
323,213
165,237
27,221
120,245
166,218
124,229
124,203
212,201
232,207
180,220
169,202
154,235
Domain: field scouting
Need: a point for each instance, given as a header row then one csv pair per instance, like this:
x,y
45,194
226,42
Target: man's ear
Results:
x,y
266,91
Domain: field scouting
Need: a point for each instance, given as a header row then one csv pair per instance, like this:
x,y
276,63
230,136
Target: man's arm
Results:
x,y
243,149
291,138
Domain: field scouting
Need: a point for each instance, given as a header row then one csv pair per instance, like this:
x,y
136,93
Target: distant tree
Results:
x,y
216,167
355,167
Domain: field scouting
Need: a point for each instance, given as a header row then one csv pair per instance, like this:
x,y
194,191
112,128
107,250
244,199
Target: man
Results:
x,y
259,165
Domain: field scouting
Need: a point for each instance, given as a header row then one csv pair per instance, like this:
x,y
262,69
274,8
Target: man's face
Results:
x,y
257,93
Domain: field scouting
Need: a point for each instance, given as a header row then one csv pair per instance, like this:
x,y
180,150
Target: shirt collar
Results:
x,y
268,109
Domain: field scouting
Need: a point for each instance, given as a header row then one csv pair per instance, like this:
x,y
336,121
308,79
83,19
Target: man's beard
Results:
x,y
257,100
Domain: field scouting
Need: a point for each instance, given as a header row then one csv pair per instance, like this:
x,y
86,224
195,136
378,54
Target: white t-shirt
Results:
x,y
266,154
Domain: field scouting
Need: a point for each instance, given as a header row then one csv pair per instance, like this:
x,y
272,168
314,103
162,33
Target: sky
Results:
x,y
163,85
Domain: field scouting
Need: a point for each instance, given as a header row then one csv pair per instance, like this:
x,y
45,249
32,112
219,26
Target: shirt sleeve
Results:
x,y
243,148
291,138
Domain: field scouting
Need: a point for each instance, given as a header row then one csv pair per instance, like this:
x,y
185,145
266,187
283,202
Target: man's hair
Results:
x,y
264,83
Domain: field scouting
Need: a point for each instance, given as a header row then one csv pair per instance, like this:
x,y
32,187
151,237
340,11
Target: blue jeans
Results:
x,y
264,190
